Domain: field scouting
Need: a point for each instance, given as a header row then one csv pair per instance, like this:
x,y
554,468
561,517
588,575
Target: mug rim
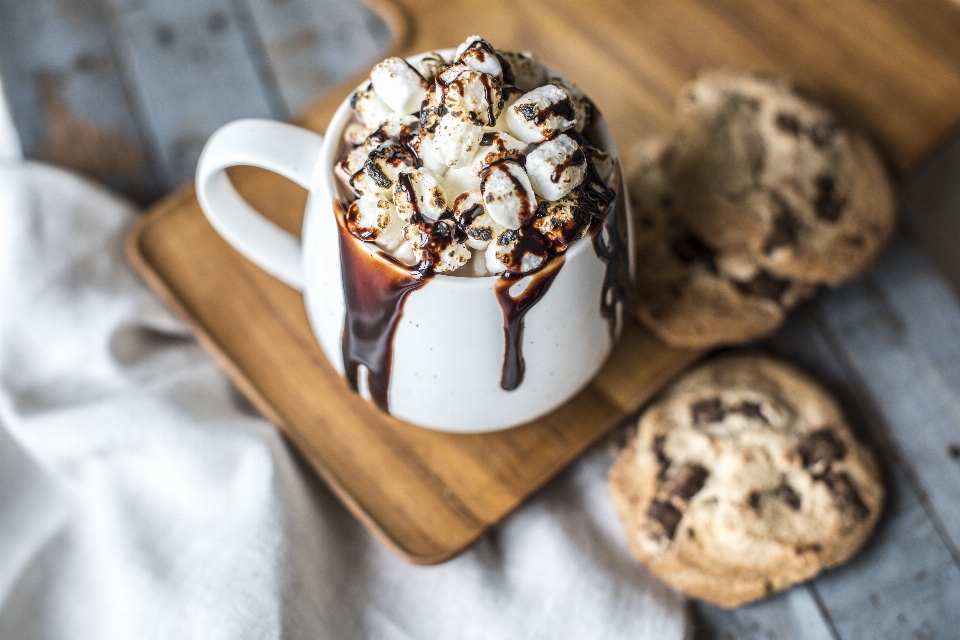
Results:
x,y
331,143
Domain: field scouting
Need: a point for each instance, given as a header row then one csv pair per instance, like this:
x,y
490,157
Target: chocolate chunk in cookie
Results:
x,y
707,411
819,449
664,518
686,480
846,497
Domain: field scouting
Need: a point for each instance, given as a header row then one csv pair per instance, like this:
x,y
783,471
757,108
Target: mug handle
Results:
x,y
282,148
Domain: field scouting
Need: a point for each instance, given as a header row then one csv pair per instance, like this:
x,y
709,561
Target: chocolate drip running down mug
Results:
x,y
439,351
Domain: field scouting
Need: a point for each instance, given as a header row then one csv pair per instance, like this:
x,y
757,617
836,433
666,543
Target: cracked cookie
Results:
x,y
690,294
763,170
743,479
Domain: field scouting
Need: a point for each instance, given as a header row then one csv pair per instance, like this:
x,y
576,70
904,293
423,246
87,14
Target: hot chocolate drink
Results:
x,y
477,163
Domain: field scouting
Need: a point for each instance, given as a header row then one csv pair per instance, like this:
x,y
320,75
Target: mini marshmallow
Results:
x,y
469,94
436,243
457,181
399,85
470,214
540,113
381,169
353,162
419,192
355,133
494,147
371,109
556,167
456,141
523,70
509,95
466,43
396,126
423,146
429,64
374,218
562,222
431,110
582,105
507,194
516,251
481,56
602,161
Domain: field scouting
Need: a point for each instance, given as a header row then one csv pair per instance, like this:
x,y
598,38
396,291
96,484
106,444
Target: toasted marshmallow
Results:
x,y
371,108
374,218
418,192
455,141
353,162
457,181
429,64
602,161
436,244
381,169
399,85
556,167
582,105
472,216
516,251
523,70
423,146
540,113
561,222
355,133
481,56
507,194
431,110
466,43
509,95
469,94
395,126
496,146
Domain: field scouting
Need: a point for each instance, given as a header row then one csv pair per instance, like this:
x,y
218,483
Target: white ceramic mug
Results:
x,y
450,343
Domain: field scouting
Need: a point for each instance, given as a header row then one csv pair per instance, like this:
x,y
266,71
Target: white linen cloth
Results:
x,y
142,497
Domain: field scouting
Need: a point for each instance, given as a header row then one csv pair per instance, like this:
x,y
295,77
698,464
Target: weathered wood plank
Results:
x,y
894,330
905,580
313,45
931,208
66,96
791,615
190,70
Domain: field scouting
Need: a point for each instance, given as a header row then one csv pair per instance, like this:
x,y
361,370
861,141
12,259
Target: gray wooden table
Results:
x,y
127,91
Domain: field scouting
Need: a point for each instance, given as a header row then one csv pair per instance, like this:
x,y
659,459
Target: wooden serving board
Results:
x,y
893,68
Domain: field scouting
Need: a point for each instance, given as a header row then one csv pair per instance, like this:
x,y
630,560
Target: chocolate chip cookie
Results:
x,y
743,479
688,293
761,169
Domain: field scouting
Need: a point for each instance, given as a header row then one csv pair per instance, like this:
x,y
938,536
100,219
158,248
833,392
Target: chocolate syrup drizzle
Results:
x,y
608,245
375,288
514,310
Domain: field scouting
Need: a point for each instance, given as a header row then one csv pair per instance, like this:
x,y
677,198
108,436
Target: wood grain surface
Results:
x,y
428,495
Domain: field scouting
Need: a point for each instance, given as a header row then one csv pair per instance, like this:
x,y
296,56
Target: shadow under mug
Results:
x,y
445,342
